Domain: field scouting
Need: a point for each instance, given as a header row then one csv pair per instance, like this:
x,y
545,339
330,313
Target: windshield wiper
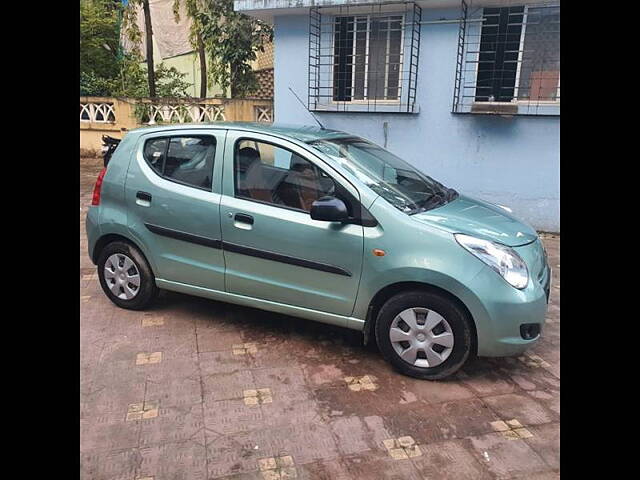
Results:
x,y
436,199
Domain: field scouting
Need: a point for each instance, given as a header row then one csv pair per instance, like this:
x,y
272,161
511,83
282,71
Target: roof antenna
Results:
x,y
307,108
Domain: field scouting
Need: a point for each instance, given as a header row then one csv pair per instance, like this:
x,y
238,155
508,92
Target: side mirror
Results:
x,y
329,209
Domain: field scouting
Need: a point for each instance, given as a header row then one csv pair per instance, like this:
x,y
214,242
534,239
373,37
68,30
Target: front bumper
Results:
x,y
500,309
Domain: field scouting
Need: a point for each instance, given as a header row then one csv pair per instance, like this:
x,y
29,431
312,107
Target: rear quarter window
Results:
x,y
154,153
187,160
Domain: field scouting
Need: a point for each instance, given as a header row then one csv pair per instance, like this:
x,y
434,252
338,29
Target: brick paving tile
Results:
x,y
216,391
505,457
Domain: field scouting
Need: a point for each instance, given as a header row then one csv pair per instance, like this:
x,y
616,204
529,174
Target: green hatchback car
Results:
x,y
322,225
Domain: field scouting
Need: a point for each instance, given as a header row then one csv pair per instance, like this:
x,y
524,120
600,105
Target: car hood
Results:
x,y
479,219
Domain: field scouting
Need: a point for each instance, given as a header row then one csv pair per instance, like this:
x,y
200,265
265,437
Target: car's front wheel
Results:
x,y
424,334
125,276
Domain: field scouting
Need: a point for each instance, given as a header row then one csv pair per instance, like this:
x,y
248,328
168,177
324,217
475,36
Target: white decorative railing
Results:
x,y
97,112
184,113
264,114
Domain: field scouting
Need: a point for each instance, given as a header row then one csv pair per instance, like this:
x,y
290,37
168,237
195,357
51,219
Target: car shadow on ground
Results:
x,y
300,335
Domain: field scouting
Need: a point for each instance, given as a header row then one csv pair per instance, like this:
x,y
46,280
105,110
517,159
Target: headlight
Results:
x,y
500,258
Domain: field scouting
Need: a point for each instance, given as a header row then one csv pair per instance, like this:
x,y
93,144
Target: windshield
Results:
x,y
404,187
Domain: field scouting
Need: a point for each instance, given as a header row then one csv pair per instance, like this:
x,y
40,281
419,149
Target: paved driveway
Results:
x,y
195,389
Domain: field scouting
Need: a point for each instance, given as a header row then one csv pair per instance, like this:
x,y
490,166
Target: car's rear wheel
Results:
x,y
125,276
424,334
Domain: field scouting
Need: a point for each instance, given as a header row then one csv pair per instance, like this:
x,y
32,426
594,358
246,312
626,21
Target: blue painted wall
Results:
x,y
511,161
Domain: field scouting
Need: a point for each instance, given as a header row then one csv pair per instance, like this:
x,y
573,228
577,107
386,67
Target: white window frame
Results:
x,y
366,100
516,100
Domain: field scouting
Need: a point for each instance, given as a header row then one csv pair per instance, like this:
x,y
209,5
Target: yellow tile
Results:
x,y
510,434
267,463
398,453
152,413
135,407
155,357
142,359
286,461
523,433
499,426
288,472
144,478
264,391
514,423
355,387
366,379
251,348
270,474
134,412
134,416
85,298
413,451
406,441
152,321
390,443
251,401
266,399
349,379
239,351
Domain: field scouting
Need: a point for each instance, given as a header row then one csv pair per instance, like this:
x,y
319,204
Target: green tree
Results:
x,y
105,70
134,34
99,39
194,8
232,40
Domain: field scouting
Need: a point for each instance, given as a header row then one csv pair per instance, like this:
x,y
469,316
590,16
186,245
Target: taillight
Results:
x,y
97,189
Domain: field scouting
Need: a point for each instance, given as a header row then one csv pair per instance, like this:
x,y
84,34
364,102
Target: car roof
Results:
x,y
302,133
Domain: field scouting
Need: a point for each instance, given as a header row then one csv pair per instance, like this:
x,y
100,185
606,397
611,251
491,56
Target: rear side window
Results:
x,y
183,159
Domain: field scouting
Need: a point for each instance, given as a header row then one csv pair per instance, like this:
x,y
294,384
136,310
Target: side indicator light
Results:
x,y
379,252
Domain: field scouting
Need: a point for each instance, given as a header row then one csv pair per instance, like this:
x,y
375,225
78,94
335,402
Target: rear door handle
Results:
x,y
244,218
144,196
143,199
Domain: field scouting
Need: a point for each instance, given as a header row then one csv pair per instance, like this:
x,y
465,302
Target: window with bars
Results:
x,y
509,60
367,58
364,58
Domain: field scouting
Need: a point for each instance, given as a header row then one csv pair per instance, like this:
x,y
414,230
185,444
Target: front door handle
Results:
x,y
244,218
143,199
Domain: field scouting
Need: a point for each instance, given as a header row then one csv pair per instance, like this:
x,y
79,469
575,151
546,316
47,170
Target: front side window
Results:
x,y
267,173
400,184
367,54
183,159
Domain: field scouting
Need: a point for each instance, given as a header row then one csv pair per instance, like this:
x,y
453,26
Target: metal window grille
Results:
x,y
364,57
508,59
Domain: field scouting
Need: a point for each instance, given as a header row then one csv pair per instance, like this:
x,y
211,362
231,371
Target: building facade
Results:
x,y
469,92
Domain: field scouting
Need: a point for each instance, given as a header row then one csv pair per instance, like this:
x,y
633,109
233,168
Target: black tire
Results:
x,y
448,309
147,292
